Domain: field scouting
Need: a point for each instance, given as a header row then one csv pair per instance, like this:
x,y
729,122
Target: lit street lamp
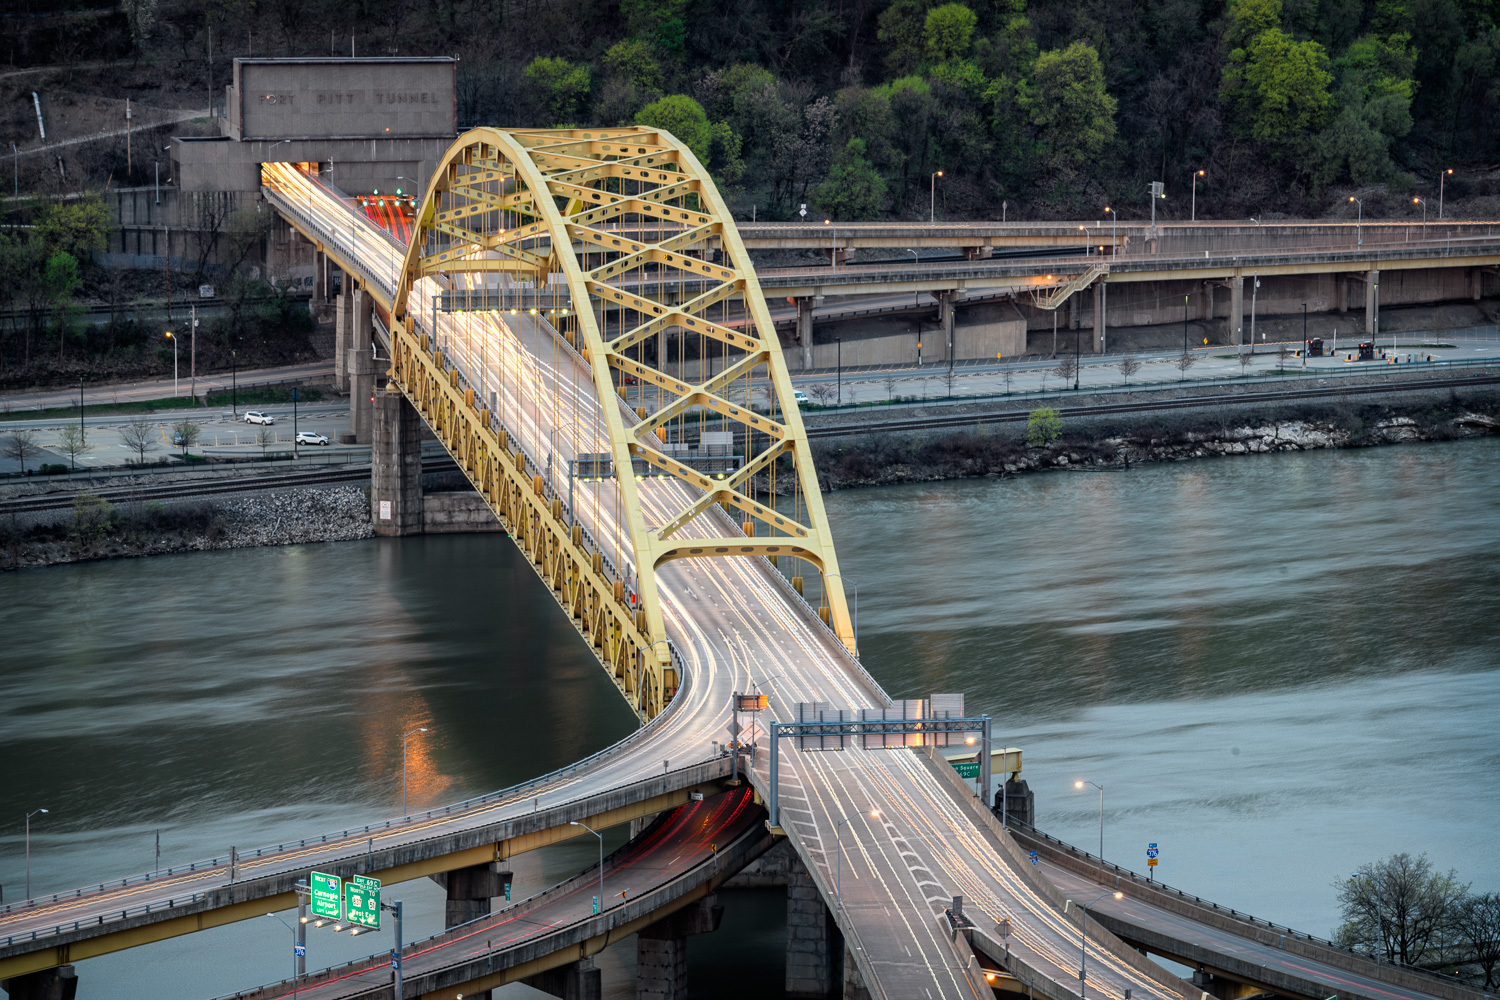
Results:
x,y
1359,230
1080,784
28,849
839,345
835,259
932,197
1083,926
1114,218
403,766
1441,178
1195,193
289,927
174,361
838,836
1419,201
599,903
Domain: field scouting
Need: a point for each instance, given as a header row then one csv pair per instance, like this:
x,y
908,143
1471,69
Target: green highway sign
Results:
x,y
362,901
327,896
967,768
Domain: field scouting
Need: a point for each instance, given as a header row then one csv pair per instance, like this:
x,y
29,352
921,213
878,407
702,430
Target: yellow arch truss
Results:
x,y
625,229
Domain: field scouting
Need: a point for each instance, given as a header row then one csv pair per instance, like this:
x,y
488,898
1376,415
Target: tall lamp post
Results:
x,y
1196,177
295,956
80,408
1441,178
174,361
835,258
1359,224
28,849
599,904
1114,217
1304,335
1083,925
839,344
403,765
838,878
1419,201
932,197
234,373
1080,784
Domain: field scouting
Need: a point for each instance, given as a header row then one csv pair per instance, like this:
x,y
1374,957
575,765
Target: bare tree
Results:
x,y
1008,373
1128,366
890,385
185,433
1066,369
1282,351
1478,922
948,378
1397,907
71,442
20,445
1184,361
822,392
139,436
265,437
1246,359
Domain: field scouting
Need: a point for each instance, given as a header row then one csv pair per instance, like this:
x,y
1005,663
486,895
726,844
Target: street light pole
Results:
x,y
395,907
1304,335
1359,225
1195,194
1083,926
834,262
80,409
598,906
1114,217
295,977
1080,784
839,343
838,877
28,849
1419,201
932,198
1441,178
234,371
174,362
403,765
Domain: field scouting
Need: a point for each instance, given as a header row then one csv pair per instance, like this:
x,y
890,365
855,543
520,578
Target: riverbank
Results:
x,y
98,529
1117,442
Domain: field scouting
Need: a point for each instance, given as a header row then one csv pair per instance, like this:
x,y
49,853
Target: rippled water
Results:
x,y
1277,666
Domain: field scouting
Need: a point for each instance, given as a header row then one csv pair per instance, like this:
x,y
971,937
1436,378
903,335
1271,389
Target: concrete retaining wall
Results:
x,y
451,513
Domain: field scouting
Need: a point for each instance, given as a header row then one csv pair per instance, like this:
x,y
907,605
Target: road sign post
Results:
x,y
327,896
1151,854
362,901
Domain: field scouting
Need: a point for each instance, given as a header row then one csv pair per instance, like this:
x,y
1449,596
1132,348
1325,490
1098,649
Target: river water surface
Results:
x,y
1279,667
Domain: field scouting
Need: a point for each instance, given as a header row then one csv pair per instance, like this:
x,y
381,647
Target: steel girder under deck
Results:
x,y
596,217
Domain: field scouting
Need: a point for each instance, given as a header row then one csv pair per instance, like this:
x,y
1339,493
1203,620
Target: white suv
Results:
x,y
310,437
257,417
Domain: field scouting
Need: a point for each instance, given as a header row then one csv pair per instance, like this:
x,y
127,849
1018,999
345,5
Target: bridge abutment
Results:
x,y
854,987
809,935
60,983
661,950
397,506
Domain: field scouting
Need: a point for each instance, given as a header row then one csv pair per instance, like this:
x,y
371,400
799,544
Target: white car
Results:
x,y
310,437
257,417
800,397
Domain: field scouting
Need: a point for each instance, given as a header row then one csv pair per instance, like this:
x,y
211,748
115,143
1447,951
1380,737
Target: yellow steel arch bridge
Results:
x,y
619,239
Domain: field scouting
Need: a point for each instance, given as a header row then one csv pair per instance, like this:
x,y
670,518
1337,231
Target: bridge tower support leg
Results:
x,y
1237,310
809,936
396,506
661,950
1372,302
343,332
60,983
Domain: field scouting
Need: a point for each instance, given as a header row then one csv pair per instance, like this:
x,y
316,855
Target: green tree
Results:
x,y
560,85
1072,112
661,20
1244,19
948,31
684,118
1043,426
1279,86
185,434
61,281
634,60
902,28
854,188
79,228
1398,907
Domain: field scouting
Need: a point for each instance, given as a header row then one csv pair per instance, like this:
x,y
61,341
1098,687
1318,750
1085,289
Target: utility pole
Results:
x,y
193,349
395,907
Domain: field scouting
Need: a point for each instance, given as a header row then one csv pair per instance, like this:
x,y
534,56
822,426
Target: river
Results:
x,y
1278,667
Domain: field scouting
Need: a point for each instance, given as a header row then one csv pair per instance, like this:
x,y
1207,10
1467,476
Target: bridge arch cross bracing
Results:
x,y
621,232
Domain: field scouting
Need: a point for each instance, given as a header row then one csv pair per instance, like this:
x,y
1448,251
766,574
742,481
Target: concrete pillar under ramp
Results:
x,y
396,505
60,983
343,331
805,305
1372,302
809,936
1237,310
946,302
364,370
470,891
1098,315
580,980
661,950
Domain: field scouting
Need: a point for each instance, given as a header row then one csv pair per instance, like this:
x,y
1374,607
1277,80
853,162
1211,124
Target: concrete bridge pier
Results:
x,y
60,983
1372,302
809,935
580,980
470,891
946,303
364,370
1101,305
1237,311
396,503
661,950
1222,988
805,306
343,324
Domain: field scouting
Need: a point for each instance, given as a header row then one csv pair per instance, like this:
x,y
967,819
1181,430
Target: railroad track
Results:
x,y
969,419
193,490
